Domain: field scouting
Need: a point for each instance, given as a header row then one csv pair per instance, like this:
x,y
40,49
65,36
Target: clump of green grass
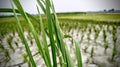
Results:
x,y
1,47
53,32
6,58
96,33
82,36
114,32
9,41
88,35
16,43
105,41
92,52
85,49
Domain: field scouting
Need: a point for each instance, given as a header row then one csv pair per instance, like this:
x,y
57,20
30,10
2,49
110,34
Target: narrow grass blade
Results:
x,y
44,37
24,40
78,54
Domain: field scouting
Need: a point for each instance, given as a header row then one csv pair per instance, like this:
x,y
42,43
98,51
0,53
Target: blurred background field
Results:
x,y
97,33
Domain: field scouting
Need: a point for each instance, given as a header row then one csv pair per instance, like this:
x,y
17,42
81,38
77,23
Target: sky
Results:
x,y
68,5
